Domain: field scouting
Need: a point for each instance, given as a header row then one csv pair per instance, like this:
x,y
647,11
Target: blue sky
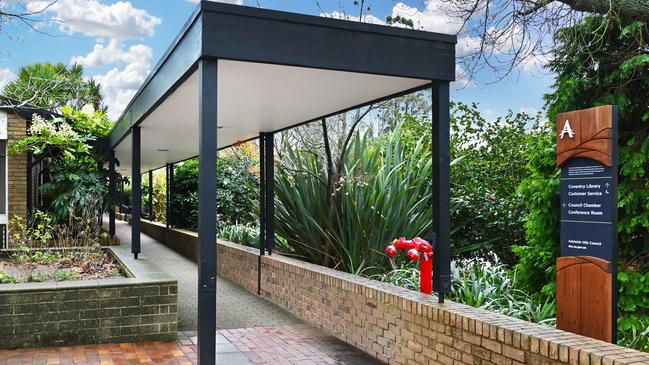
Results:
x,y
119,42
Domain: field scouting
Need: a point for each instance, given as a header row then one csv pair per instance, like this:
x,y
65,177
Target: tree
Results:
x,y
75,179
502,36
18,13
601,60
52,86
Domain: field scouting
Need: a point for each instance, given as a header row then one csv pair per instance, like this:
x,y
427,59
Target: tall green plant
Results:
x,y
381,195
237,186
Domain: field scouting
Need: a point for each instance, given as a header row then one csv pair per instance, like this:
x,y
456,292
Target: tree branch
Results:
x,y
628,9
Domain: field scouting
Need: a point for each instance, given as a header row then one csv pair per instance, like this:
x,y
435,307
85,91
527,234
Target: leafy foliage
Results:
x,y
237,180
487,211
541,197
6,278
598,61
76,179
380,196
248,235
52,86
159,204
483,283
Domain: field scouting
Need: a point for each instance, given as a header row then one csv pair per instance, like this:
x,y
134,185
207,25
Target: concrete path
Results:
x,y
236,307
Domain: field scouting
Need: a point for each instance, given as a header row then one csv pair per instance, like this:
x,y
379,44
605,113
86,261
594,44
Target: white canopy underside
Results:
x,y
252,98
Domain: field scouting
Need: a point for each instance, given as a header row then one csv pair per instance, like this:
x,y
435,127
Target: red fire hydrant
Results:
x,y
418,250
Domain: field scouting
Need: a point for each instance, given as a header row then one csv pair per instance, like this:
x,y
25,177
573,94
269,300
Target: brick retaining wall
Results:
x,y
135,309
399,326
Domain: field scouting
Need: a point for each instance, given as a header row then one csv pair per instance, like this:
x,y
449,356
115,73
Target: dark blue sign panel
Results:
x,y
588,207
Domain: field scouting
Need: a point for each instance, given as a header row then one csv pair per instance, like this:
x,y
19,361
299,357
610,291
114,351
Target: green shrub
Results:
x,y
487,214
633,332
237,186
62,275
247,235
6,278
483,283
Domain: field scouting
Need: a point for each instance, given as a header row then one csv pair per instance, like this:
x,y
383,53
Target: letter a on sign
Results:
x,y
567,129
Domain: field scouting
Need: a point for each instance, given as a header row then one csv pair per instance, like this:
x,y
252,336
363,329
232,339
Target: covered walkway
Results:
x,y
237,308
237,73
251,330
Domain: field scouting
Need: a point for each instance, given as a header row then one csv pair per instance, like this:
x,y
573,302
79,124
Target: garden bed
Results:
x,y
44,265
139,305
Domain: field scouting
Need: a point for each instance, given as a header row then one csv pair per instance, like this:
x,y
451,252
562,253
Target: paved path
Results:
x,y
294,345
251,329
236,307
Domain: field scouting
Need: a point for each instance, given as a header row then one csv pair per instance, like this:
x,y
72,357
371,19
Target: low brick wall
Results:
x,y
399,326
139,308
182,241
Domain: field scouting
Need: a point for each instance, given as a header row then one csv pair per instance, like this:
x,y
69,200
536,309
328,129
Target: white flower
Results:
x,y
88,109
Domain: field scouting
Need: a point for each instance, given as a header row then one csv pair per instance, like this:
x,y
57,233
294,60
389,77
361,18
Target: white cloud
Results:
x,y
529,110
235,2
114,52
461,78
533,63
92,18
6,76
433,18
371,19
119,84
467,44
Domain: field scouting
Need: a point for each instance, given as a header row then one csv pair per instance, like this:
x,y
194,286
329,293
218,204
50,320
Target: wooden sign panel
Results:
x,y
586,133
584,296
587,155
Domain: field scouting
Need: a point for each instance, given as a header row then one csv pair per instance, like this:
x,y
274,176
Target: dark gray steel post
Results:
x,y
167,195
112,193
171,195
30,203
441,189
207,219
136,191
262,208
269,170
150,195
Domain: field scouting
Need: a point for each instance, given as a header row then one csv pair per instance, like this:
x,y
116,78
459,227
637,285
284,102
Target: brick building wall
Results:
x,y
17,168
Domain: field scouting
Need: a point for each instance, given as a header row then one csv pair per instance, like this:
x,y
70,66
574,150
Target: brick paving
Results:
x,y
237,308
290,345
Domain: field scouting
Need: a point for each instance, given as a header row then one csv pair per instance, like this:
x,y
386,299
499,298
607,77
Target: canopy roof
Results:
x,y
275,70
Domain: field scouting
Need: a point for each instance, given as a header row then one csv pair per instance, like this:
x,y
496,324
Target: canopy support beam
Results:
x,y
112,193
262,208
150,195
269,194
207,219
441,189
136,192
169,192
